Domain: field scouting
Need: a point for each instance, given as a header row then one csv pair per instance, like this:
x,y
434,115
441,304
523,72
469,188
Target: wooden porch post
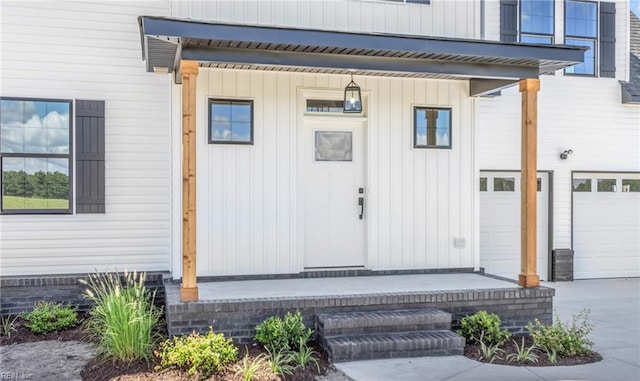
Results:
x,y
189,289
529,149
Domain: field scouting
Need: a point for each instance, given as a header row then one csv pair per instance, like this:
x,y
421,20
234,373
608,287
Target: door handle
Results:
x,y
361,204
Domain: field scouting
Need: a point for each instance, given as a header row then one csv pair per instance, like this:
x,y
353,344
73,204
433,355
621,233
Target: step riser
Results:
x,y
392,345
395,354
398,328
382,321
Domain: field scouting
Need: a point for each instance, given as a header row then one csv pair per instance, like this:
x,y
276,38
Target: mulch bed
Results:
x,y
473,352
103,370
100,369
22,334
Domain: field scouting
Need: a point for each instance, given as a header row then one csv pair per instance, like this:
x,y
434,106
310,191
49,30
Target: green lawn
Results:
x,y
14,202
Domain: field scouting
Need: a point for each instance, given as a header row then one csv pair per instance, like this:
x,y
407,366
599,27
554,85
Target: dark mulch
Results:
x,y
22,334
102,370
473,352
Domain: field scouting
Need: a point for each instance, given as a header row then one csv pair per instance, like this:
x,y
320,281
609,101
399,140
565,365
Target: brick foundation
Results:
x,y
19,294
238,318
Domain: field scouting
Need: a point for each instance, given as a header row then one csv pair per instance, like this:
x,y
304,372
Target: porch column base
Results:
x,y
188,294
532,280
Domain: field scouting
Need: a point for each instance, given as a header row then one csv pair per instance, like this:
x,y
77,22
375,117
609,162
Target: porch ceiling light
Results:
x,y
352,98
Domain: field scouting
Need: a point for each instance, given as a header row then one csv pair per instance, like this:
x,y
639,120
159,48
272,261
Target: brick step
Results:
x,y
339,324
394,345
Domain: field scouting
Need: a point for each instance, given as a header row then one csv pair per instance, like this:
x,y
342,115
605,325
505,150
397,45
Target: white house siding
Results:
x,y
418,200
459,18
91,50
582,114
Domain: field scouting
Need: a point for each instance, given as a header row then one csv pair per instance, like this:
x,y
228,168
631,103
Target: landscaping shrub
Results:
x,y
483,324
564,339
49,317
206,354
281,335
124,318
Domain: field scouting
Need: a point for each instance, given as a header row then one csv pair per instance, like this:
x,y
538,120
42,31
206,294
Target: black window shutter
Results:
x,y
509,20
607,40
89,156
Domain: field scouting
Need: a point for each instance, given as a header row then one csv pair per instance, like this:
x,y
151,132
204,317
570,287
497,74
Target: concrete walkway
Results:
x,y
615,311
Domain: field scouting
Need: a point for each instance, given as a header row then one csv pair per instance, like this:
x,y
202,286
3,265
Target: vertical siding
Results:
x,y
87,50
584,114
451,18
419,200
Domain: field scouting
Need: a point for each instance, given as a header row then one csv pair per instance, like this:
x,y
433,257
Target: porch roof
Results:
x,y
490,65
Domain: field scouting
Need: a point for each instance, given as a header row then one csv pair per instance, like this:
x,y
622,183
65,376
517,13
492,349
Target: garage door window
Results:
x,y
630,185
606,185
504,184
582,185
483,184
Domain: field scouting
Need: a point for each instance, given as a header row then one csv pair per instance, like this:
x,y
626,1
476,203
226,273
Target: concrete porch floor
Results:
x,y
342,286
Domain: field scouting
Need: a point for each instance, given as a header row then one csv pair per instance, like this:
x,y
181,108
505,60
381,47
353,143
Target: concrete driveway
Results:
x,y
615,311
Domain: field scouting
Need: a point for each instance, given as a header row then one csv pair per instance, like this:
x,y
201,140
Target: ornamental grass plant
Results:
x,y
124,318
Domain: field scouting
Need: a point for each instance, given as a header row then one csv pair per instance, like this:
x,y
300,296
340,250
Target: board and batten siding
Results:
x,y
582,114
459,18
90,50
418,200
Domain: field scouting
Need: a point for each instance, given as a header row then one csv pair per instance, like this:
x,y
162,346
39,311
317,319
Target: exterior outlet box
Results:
x,y
460,243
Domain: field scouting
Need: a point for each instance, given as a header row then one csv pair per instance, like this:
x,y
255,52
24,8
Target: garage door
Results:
x,y
500,223
606,225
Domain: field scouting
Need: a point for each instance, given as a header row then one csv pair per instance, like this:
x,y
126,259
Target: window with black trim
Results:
x,y
431,127
591,24
35,155
230,121
536,21
581,29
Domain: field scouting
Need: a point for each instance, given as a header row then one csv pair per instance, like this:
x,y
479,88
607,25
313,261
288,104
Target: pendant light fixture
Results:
x,y
352,98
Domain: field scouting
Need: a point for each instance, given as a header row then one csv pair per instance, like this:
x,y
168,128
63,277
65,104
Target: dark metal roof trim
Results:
x,y
165,41
323,60
628,96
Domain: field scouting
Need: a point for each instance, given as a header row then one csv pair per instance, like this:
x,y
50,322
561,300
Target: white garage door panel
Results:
x,y
606,229
500,227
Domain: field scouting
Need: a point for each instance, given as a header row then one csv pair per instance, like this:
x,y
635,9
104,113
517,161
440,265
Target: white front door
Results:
x,y
500,223
334,193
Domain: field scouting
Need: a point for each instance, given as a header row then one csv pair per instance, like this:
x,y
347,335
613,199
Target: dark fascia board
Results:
x,y
387,64
628,97
170,27
479,87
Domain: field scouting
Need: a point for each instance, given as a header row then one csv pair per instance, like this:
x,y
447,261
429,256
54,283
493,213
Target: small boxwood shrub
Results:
x,y
281,335
206,354
565,339
49,317
485,325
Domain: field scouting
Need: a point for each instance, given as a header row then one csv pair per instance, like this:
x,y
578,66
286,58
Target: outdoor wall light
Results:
x,y
352,98
567,152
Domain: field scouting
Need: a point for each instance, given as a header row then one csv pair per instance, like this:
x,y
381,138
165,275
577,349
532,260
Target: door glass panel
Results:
x,y
630,185
539,184
333,146
504,184
582,185
606,185
483,184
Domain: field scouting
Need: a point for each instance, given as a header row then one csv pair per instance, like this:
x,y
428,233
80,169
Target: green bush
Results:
x,y
206,354
49,317
124,318
564,339
483,324
281,335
